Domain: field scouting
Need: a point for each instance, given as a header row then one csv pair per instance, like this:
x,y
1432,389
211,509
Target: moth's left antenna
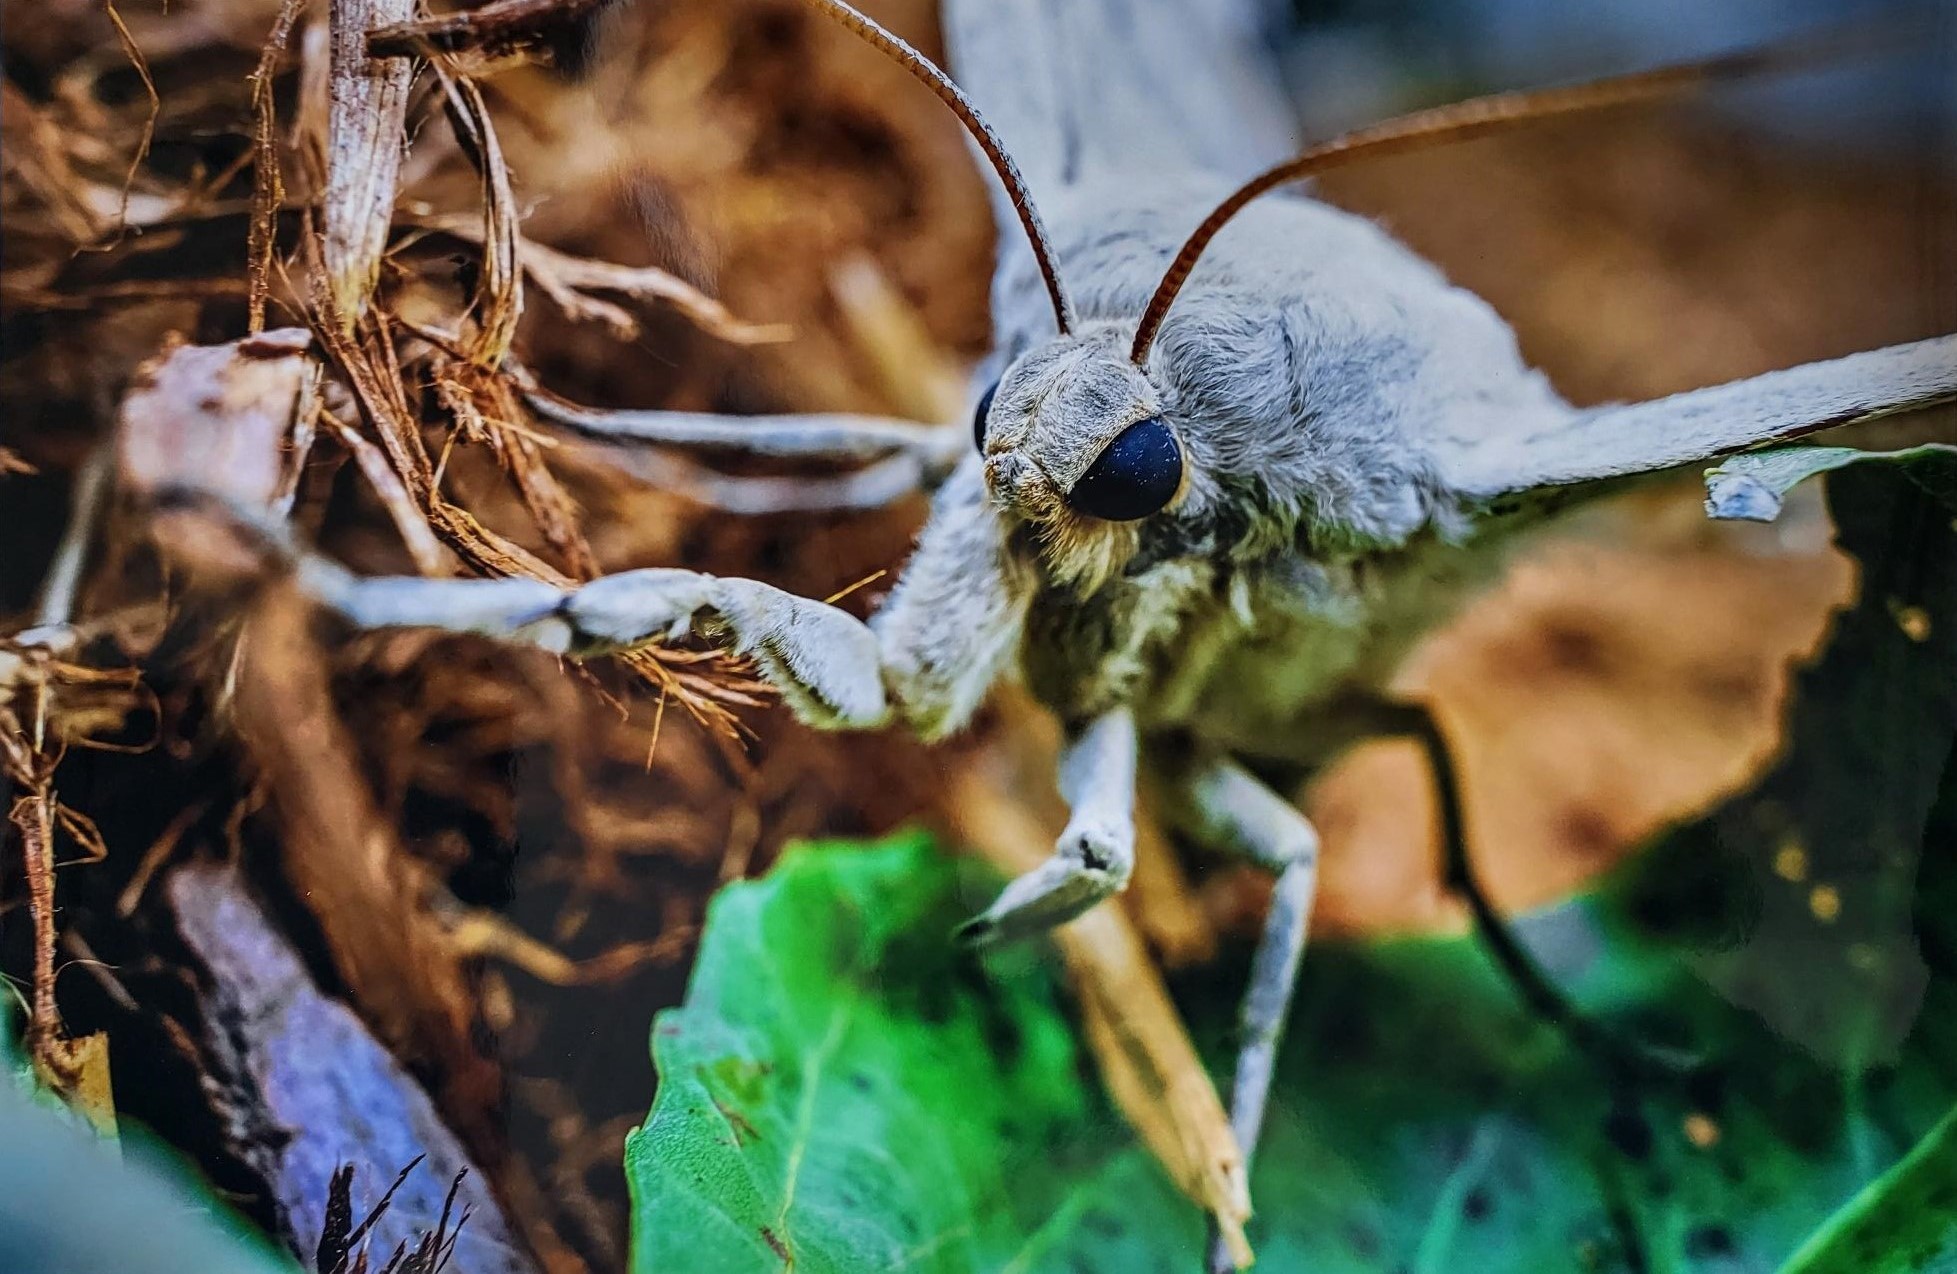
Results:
x,y
951,95
1459,121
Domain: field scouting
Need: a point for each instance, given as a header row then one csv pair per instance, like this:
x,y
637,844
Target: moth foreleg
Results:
x,y
927,658
1221,804
824,661
1095,854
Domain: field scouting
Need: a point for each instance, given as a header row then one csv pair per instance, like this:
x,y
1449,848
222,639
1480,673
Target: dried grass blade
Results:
x,y
33,818
35,154
366,124
267,184
429,556
483,404
134,53
498,302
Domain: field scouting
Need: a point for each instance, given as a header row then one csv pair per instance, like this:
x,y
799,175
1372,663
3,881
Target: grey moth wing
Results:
x,y
1704,424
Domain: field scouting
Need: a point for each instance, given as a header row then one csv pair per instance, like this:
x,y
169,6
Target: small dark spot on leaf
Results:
x,y
744,1131
1478,1204
860,1082
1705,1088
1101,1224
1363,1241
1629,1132
773,1240
1710,1241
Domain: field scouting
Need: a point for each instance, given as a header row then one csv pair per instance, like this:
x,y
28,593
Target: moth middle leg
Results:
x,y
886,459
1217,802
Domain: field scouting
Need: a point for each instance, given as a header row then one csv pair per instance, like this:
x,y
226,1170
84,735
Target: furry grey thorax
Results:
x,y
1306,408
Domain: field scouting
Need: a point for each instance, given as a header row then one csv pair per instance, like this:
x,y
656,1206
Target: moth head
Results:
x,y
1078,448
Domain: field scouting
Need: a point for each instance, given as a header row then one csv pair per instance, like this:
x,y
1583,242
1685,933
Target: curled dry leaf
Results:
x,y
215,417
498,301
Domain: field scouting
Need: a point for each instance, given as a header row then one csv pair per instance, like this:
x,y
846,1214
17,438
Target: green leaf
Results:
x,y
844,1090
1903,1223
1751,486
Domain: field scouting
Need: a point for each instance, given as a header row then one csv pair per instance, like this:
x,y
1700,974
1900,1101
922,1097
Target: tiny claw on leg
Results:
x,y
1096,853
1053,893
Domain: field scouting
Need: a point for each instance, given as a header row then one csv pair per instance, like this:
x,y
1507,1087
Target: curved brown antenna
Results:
x,y
1459,121
928,74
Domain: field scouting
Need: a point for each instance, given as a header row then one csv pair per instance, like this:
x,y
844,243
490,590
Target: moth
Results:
x,y
1235,452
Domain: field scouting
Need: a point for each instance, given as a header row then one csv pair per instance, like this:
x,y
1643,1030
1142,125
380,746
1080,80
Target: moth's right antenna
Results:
x,y
988,141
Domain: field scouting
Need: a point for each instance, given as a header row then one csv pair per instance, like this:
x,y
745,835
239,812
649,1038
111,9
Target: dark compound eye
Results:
x,y
978,417
1135,475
